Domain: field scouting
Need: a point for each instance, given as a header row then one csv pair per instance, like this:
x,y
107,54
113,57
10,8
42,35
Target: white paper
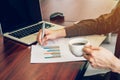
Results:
x,y
38,56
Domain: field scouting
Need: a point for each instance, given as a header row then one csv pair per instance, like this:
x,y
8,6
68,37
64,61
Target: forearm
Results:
x,y
104,24
115,65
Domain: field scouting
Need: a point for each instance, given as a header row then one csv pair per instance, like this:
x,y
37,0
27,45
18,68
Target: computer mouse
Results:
x,y
57,16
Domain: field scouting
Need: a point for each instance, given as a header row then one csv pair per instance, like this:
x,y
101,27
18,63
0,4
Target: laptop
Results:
x,y
22,20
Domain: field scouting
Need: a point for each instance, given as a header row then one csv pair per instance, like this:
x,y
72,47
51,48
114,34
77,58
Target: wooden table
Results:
x,y
15,58
15,65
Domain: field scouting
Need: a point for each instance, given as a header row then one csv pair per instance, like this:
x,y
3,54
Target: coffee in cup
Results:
x,y
76,45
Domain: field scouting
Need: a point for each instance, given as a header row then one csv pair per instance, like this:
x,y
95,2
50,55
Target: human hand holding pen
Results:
x,y
50,35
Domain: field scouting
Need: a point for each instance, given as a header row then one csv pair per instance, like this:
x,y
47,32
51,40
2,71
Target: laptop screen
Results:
x,y
17,14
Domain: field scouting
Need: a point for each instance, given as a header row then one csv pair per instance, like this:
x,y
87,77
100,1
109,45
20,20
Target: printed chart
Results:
x,y
52,52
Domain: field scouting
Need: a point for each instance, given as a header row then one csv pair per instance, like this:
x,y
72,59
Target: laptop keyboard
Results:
x,y
27,31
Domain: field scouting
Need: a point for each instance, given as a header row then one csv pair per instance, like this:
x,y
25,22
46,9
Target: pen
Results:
x,y
43,32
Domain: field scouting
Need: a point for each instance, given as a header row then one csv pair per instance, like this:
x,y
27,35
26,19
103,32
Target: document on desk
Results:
x,y
58,50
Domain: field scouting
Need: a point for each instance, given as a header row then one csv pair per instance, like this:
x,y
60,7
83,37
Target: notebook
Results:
x,y
22,23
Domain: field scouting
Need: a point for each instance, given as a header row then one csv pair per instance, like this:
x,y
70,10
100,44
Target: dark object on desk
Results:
x,y
57,17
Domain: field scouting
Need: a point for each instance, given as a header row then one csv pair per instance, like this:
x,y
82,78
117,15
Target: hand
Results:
x,y
99,57
50,35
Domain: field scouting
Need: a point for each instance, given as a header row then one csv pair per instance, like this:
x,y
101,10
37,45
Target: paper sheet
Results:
x,y
40,54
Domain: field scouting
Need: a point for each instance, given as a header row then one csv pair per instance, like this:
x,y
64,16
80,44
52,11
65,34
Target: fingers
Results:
x,y
86,56
92,47
88,53
87,50
91,60
39,36
43,40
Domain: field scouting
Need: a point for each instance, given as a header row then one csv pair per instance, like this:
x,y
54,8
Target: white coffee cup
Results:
x,y
76,46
